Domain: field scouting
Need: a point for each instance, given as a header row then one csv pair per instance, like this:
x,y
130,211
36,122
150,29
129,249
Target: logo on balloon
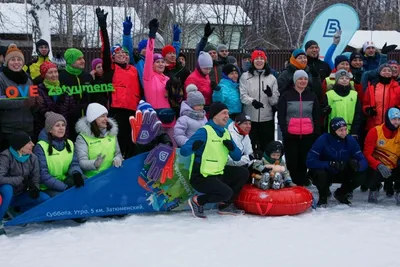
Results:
x,y
332,26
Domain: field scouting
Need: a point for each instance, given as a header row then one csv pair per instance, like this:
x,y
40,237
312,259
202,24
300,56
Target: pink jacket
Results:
x,y
154,83
202,83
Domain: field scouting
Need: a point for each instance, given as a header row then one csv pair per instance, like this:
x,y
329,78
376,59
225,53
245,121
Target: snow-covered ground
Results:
x,y
362,235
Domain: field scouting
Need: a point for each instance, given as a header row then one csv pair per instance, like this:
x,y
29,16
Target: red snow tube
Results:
x,y
286,201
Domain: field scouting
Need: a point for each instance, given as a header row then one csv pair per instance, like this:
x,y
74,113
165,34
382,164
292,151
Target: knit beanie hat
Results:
x,y
209,47
18,140
337,123
355,55
242,118
298,74
368,44
142,45
216,108
204,60
157,56
341,73
39,44
194,97
71,55
228,68
392,62
95,62
116,48
143,105
274,147
221,47
341,58
258,53
381,67
310,43
13,51
51,119
298,52
168,49
44,68
95,110
59,61
393,113
182,55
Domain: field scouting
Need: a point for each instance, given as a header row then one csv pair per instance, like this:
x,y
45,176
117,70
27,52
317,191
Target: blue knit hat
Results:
x,y
394,113
298,52
142,45
341,58
143,105
337,123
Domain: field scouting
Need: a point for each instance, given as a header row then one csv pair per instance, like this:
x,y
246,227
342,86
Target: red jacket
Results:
x,y
381,97
370,144
202,82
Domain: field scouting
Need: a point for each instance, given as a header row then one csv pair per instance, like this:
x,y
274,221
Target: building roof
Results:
x,y
215,14
378,37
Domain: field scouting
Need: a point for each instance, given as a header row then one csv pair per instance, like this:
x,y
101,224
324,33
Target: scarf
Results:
x,y
19,77
271,161
195,114
73,71
384,80
171,66
49,84
297,64
19,158
240,131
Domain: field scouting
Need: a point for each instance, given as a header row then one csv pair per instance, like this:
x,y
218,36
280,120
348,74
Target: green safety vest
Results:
x,y
57,163
331,82
215,154
105,146
344,107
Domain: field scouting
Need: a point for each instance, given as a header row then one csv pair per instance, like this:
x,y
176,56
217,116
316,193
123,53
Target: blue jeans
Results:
x,y
23,201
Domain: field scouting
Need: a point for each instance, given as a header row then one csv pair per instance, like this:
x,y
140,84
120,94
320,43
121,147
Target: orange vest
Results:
x,y
126,88
387,151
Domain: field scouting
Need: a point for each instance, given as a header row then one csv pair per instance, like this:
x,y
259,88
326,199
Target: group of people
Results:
x,y
222,113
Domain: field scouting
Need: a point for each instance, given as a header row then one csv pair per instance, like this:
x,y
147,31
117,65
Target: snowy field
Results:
x,y
361,235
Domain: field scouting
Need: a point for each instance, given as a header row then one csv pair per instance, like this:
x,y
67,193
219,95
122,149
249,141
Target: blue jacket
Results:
x,y
371,63
329,148
229,95
45,178
201,134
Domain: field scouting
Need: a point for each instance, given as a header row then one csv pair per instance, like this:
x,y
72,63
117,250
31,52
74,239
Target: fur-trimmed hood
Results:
x,y
83,126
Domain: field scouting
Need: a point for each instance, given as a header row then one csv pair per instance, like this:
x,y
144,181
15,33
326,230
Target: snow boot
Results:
x,y
322,202
229,209
350,195
341,198
373,197
397,197
197,210
388,187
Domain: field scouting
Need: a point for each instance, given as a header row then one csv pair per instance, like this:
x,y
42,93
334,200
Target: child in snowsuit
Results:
x,y
271,172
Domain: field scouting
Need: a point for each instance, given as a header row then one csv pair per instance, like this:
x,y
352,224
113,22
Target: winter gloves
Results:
x,y
371,111
354,164
268,91
388,48
127,24
153,27
32,189
78,179
208,30
337,165
384,171
327,110
101,17
257,104
177,32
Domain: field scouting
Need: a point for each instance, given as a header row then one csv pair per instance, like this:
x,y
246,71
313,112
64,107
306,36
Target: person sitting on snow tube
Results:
x,y
97,146
271,172
59,166
336,156
19,176
382,151
239,130
210,176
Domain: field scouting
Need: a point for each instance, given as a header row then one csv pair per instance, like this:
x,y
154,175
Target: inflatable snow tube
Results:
x,y
286,201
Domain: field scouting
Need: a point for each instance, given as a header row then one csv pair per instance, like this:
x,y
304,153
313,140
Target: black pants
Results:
x,y
221,188
296,151
349,179
121,116
261,134
376,180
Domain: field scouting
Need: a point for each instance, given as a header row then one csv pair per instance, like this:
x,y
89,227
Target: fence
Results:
x,y
276,58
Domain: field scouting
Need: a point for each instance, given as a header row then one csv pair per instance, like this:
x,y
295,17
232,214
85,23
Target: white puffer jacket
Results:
x,y
243,143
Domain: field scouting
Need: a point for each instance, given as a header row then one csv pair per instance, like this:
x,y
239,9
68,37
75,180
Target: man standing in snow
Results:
x,y
336,156
219,183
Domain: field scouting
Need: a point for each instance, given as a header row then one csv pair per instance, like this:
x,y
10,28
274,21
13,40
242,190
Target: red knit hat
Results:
x,y
258,53
44,68
168,49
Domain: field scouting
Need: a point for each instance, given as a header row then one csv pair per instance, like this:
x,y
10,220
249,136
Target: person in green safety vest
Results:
x,y
343,102
59,165
210,146
97,145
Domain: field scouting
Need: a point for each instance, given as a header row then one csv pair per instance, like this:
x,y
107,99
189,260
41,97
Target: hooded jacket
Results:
x,y
243,142
45,177
81,147
186,125
228,94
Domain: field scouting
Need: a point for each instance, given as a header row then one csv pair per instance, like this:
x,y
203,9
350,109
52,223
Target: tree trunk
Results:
x,y
70,33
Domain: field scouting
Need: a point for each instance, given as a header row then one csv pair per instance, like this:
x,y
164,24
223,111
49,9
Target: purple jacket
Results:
x,y
61,104
45,177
